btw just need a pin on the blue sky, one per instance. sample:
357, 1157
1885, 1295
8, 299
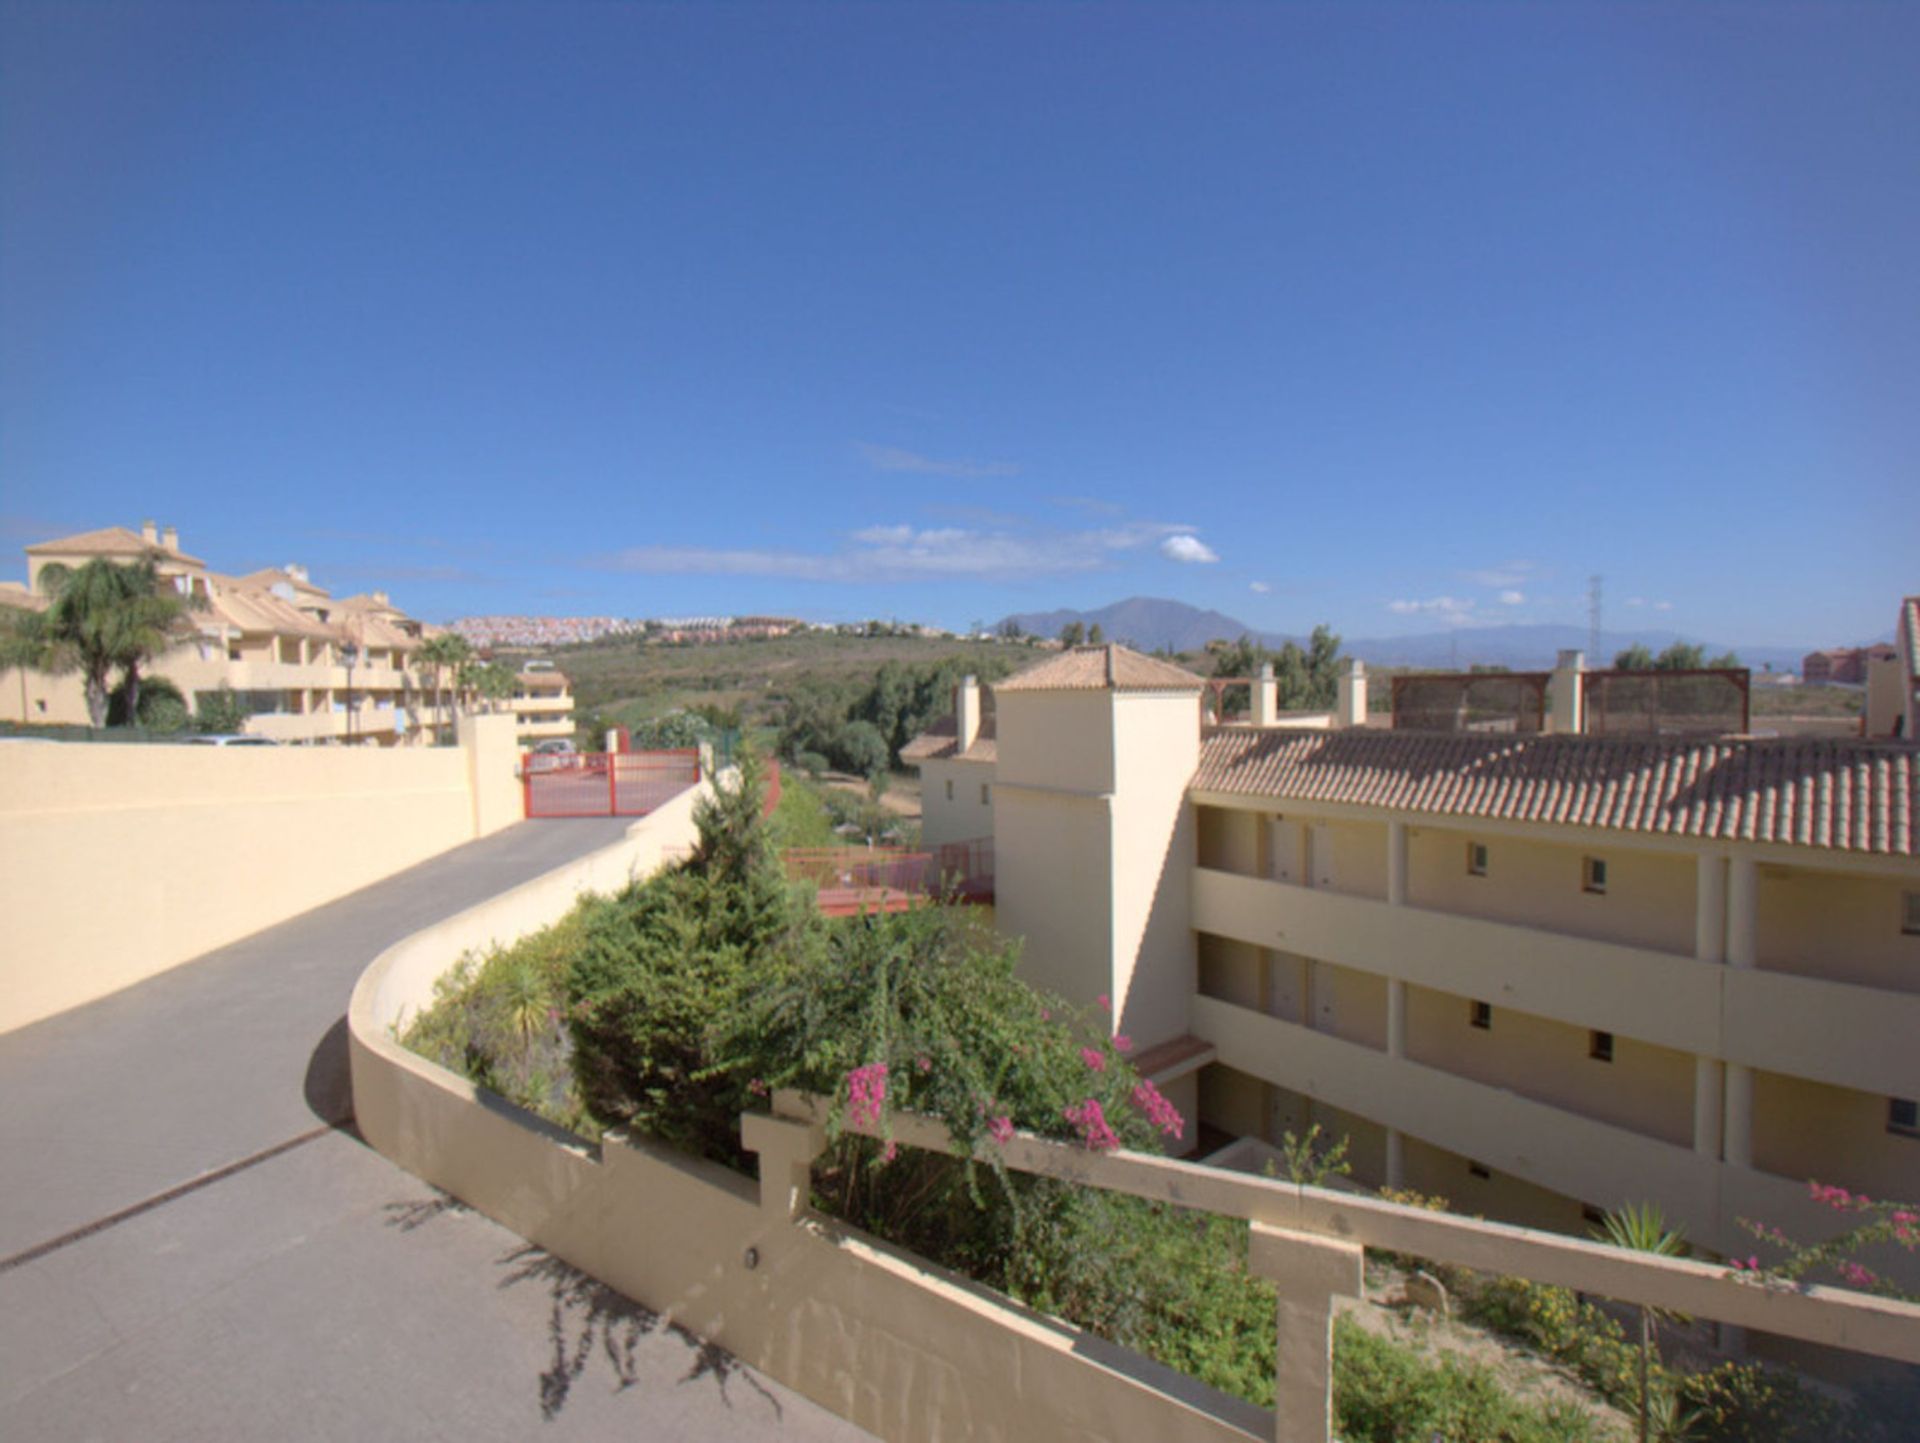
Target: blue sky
1398, 317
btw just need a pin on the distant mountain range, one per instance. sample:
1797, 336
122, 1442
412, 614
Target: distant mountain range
1153, 622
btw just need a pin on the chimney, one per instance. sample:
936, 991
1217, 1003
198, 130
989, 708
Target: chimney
1351, 708
1265, 711
1566, 718
381, 597
966, 713
296, 571
170, 538
150, 533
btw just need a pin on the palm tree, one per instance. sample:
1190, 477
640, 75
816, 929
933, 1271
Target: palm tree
1643, 1229
28, 644
113, 617
444, 653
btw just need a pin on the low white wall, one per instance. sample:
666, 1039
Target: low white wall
900, 1348
118, 862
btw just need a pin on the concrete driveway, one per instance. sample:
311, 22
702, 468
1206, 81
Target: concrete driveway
194, 1244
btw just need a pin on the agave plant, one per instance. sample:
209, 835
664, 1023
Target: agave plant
1643, 1228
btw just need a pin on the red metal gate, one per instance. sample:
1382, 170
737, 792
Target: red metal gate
605, 784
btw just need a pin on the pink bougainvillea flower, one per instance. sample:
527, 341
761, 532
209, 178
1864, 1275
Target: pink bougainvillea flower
1122, 1042
1000, 1129
1090, 1120
890, 1152
924, 1063
757, 1088
1094, 1058
1103, 1002
1161, 1113
866, 1093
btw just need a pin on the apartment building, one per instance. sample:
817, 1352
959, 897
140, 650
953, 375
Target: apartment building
308, 667
542, 703
1537, 974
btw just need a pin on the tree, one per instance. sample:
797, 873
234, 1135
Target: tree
1643, 1229
28, 644
160, 707
114, 617
445, 653
220, 712
1634, 658
1072, 634
1096, 637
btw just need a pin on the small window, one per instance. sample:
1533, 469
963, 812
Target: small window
1479, 1170
1481, 1016
1600, 1046
1593, 875
1476, 859
1903, 1116
1910, 914
983, 794
949, 788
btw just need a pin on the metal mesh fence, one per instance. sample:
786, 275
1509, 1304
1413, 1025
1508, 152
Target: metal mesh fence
1513, 701
1666, 703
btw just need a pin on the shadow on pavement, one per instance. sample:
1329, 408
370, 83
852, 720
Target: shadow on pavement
588, 1317
329, 1083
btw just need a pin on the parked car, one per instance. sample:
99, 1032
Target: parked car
230, 739
555, 754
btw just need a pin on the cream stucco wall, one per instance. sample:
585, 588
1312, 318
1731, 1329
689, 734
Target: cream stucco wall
1836, 1134
1646, 1088
965, 817
118, 862
1838, 925
1157, 747
1649, 901
1052, 879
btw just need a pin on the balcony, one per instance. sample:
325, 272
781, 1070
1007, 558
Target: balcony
1742, 1015
1595, 1162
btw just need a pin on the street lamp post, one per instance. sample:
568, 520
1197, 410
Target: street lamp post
350, 654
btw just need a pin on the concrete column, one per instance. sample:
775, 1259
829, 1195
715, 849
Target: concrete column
1397, 863
1566, 718
1743, 897
1709, 945
1396, 1158
1265, 708
1743, 890
1396, 1018
1350, 710
1308, 1272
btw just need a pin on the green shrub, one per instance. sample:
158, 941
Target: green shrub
1384, 1392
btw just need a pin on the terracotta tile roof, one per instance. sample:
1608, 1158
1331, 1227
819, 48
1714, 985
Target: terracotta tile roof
278, 576
373, 629
109, 541
1839, 793
13, 594
1101, 668
256, 612
937, 743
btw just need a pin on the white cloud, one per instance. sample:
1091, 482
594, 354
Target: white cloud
1513, 598
1636, 601
1259, 586
1507, 574
1663, 606
899, 553
1189, 549
1449, 610
896, 458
